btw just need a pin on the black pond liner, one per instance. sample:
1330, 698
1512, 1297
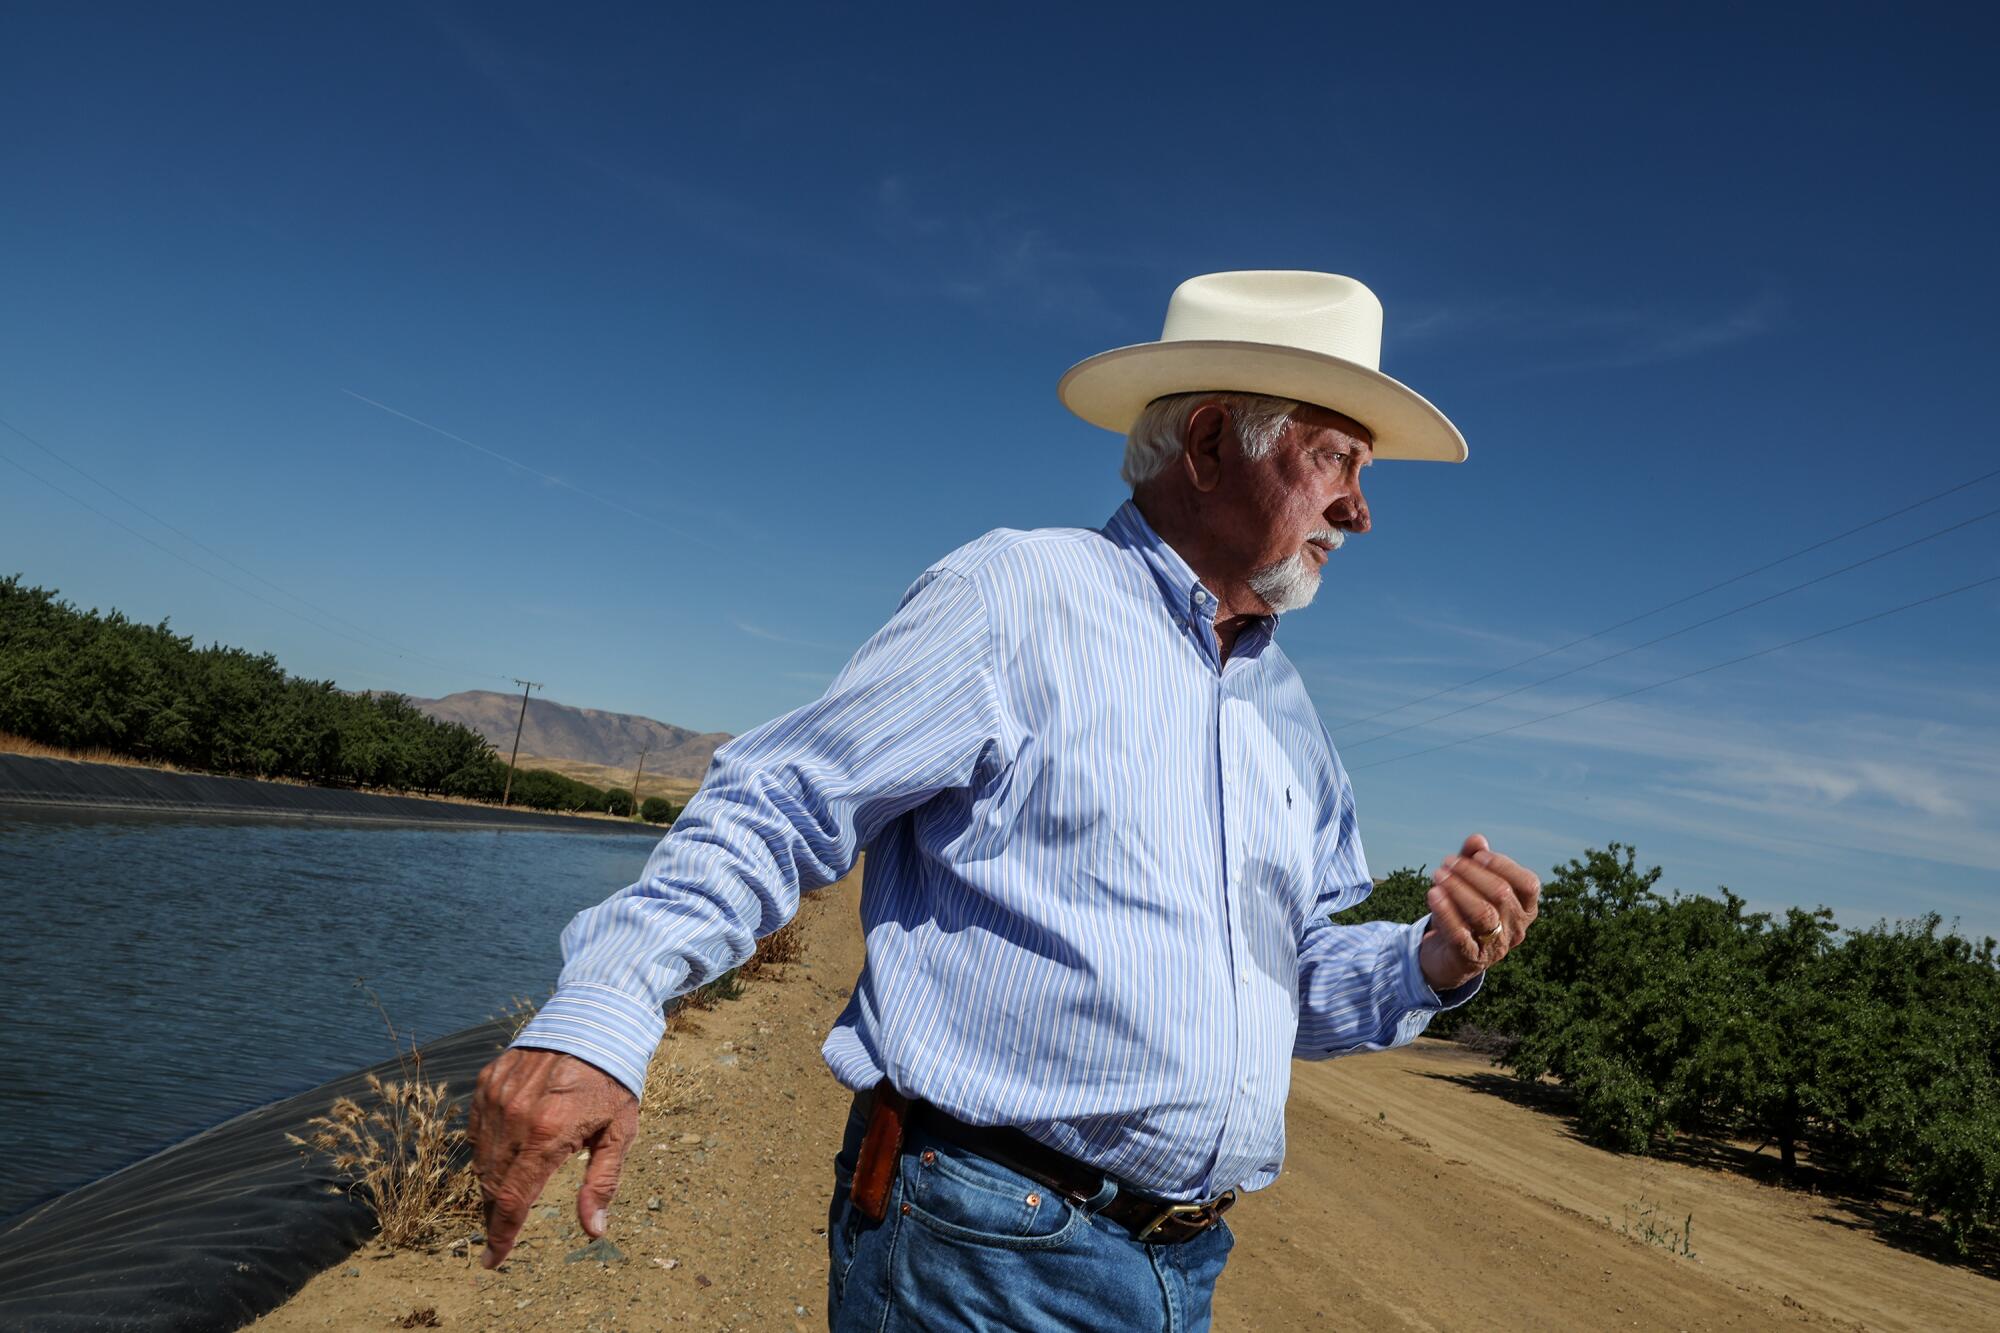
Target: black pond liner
69, 783
213, 1232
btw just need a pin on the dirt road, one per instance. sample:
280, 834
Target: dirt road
1414, 1197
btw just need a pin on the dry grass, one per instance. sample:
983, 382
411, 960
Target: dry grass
519, 1011
404, 1153
12, 744
787, 944
677, 790
672, 1086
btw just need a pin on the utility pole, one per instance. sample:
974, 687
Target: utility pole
525, 685
635, 778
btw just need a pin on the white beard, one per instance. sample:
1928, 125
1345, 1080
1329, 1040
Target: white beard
1289, 585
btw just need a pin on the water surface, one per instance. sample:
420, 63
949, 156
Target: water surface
159, 973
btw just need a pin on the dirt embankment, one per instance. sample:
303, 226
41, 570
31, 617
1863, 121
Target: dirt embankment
1415, 1196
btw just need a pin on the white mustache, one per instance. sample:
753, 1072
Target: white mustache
1333, 537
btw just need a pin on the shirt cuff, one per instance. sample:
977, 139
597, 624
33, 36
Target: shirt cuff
605, 1027
1417, 992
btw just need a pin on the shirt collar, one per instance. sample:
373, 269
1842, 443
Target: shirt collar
1184, 594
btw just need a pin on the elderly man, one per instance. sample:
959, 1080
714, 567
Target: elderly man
1106, 831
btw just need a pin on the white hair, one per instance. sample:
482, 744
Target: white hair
1289, 585
1156, 438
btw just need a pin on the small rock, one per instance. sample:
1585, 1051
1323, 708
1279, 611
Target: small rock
701, 1280
548, 1213
653, 1204
352, 1271
600, 1251
688, 1140
669, 1264
726, 1061
726, 1046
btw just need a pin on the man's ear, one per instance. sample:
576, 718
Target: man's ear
1208, 431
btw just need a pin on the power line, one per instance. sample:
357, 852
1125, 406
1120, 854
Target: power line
548, 477
1721, 615
1678, 601
380, 643
1698, 671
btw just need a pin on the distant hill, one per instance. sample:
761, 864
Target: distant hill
558, 731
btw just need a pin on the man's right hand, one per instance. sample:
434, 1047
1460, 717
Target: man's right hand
532, 1112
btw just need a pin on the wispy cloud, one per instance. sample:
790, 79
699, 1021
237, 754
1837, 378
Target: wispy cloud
1553, 338
772, 636
546, 478
988, 255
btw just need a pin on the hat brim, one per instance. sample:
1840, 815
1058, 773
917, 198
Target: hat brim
1112, 388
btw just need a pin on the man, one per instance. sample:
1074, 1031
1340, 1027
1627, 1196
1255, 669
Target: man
1106, 831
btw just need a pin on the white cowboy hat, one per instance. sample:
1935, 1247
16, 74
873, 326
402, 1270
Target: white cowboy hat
1312, 337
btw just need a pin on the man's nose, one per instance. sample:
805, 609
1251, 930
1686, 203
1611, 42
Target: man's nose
1349, 513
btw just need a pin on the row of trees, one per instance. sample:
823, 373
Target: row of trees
1876, 1050
84, 681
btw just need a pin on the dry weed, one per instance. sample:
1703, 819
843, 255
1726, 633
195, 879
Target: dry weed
728, 986
674, 1087
786, 944
518, 1012
403, 1153
13, 744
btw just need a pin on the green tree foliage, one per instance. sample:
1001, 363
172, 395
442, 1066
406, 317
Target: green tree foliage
618, 801
1688, 1015
541, 789
658, 810
85, 681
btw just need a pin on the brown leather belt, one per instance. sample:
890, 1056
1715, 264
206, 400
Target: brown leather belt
890, 1115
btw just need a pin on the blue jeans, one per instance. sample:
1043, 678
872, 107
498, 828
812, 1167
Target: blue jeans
968, 1244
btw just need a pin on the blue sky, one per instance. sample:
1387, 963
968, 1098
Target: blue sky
651, 353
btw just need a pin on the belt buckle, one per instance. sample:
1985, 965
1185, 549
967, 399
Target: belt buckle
1208, 1213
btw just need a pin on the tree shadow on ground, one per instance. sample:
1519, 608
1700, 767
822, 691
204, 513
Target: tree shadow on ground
1883, 1213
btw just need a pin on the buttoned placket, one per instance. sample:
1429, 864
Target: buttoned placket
1228, 758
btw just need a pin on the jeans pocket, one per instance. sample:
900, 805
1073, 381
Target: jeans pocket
843, 1219
966, 1198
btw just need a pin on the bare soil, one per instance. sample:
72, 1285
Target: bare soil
677, 790
1421, 1191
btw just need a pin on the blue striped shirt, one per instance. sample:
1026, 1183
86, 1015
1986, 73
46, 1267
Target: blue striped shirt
1100, 866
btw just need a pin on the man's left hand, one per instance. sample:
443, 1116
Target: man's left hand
1482, 904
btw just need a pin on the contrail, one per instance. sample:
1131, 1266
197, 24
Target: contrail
536, 472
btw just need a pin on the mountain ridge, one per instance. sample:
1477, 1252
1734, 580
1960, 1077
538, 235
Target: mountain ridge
590, 735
